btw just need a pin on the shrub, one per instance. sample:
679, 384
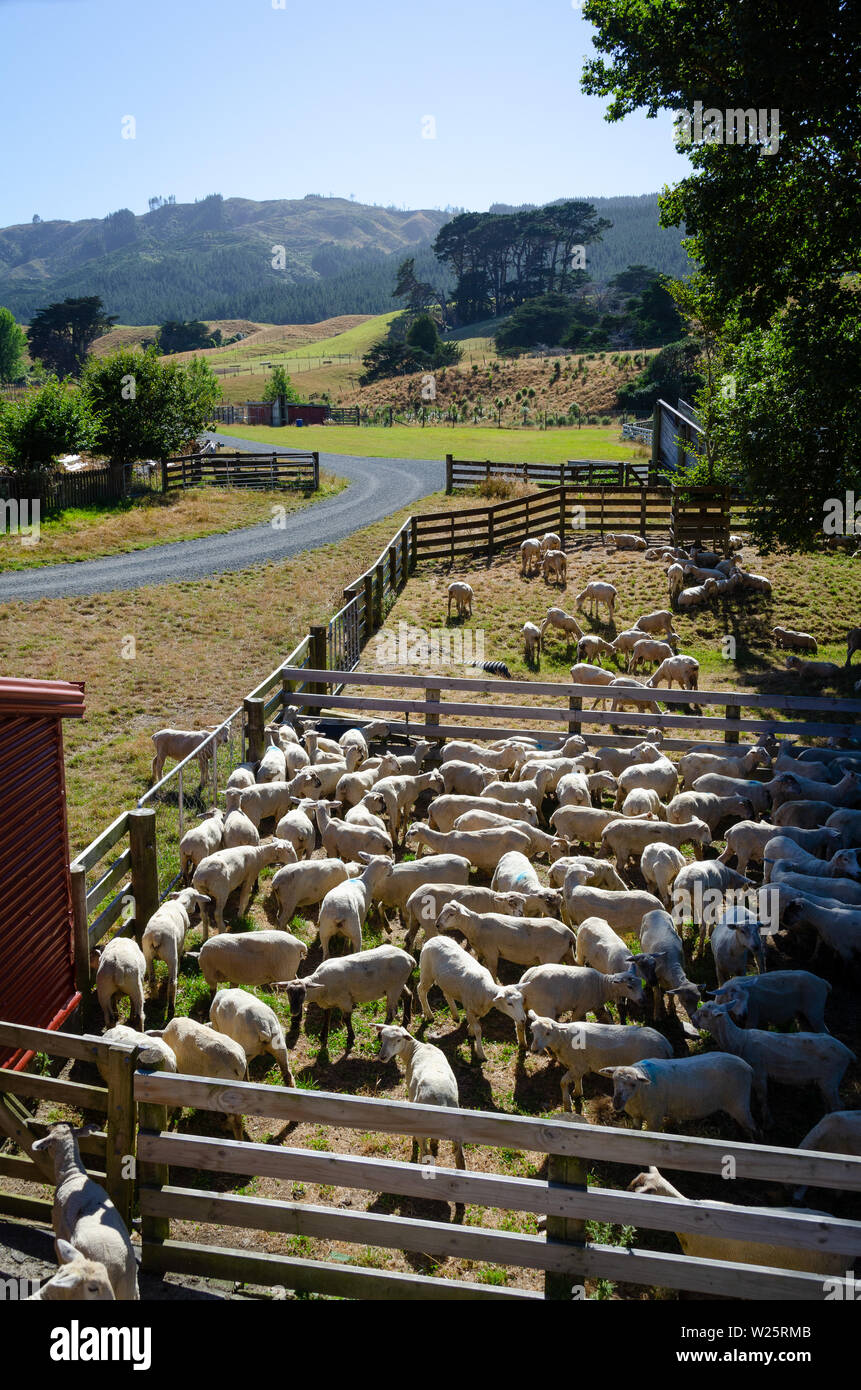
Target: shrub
55, 420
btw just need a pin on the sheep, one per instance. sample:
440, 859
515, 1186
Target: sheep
466, 778
746, 841
354, 738
588, 1047
787, 637
791, 1058
515, 793
853, 643
816, 672
345, 907
252, 958
274, 799
701, 573
787, 787
782, 847
659, 621
396, 796
803, 815
353, 786
622, 911
305, 884
701, 1246
153, 1054
597, 592
403, 879
120, 969
522, 940
564, 622
459, 750
273, 765
844, 892
461, 595
697, 764
240, 829
320, 781
662, 963
426, 902
684, 1089
553, 990
641, 802
572, 789
592, 648
181, 743
360, 815
217, 876
84, 1217
626, 838
756, 582
584, 674
683, 671
647, 652
445, 810
554, 566
515, 874
299, 828
483, 848
735, 941
699, 593
659, 776
754, 792
241, 777
430, 1081
837, 1133
201, 840
252, 1024
675, 582
584, 870
830, 772
602, 948
615, 760
619, 688
531, 634
202, 1051
530, 556
623, 541
539, 841
659, 864
347, 981
164, 937
625, 641
550, 541
708, 807
837, 928
78, 1279
346, 840
776, 1000
442, 962
698, 891
848, 826
581, 824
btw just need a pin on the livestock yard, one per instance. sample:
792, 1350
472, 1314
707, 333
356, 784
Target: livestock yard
569, 894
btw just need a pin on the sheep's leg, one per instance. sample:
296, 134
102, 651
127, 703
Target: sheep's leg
408, 1001
565, 1087
491, 960
245, 894
521, 1033
416, 1151
423, 987
324, 1031
156, 768
452, 1008
351, 1037
459, 1160
474, 1025
830, 1094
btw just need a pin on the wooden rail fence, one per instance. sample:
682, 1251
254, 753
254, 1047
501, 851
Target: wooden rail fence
469, 472
135, 1103
56, 490
299, 470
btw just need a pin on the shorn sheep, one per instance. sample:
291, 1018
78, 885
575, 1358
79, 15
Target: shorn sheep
461, 595
596, 594
430, 1081
555, 566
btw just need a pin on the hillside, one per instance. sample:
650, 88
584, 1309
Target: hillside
213, 259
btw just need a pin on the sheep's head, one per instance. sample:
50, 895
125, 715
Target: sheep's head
450, 917
542, 1030
296, 992
653, 1183
393, 1040
509, 1001
77, 1279
627, 1081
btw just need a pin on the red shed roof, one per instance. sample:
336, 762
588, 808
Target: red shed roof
62, 698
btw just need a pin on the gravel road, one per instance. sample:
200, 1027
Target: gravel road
378, 487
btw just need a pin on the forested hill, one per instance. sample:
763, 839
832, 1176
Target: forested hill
214, 259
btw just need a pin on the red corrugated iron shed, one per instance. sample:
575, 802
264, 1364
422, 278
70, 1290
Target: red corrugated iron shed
37, 968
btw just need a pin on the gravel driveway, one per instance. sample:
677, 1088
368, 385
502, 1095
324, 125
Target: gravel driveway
378, 487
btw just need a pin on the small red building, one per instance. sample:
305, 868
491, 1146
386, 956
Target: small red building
308, 414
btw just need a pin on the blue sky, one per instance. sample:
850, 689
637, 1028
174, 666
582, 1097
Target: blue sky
245, 99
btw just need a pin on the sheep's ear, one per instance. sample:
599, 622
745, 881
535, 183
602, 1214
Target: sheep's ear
155, 1032
532, 1014
66, 1253
365, 856
607, 1071
379, 1026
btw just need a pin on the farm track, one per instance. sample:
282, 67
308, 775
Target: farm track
378, 487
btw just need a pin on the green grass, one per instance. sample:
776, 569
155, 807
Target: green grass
463, 441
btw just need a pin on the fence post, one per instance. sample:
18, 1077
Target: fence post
449, 474
80, 933
601, 518
152, 1119
316, 458
414, 542
164, 475
144, 865
368, 581
120, 1128
564, 1172
642, 511
562, 502
378, 596
254, 734
393, 567
432, 719
319, 661
575, 706
733, 713
405, 550
489, 534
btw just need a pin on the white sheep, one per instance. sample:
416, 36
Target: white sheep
466, 778
697, 594
563, 622
252, 1024
584, 674
776, 1000
530, 556
659, 621
787, 637
735, 942
593, 648
305, 884
581, 824
201, 840
430, 1081
442, 962
697, 764
837, 1133
461, 595
252, 958
589, 1047
403, 879
180, 743
554, 566
240, 829
675, 582
659, 864
522, 940
347, 981
346, 840
754, 792
85, 1217
426, 902
120, 969
708, 807
445, 810
519, 793
662, 964
623, 911
553, 990
647, 652
619, 688
837, 928
396, 796
483, 848
642, 801
746, 841
626, 838
698, 892
164, 937
683, 671
345, 907
597, 593
550, 541
78, 1279
624, 541
153, 1054
461, 750
539, 841
531, 634
220, 874
201, 1051
353, 786
684, 1089
515, 874
273, 765
585, 869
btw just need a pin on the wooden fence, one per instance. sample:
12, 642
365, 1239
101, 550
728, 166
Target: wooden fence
56, 491
469, 472
135, 1106
701, 514
299, 470
445, 696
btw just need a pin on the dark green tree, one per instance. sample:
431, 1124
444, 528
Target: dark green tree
279, 384
55, 420
145, 408
13, 342
62, 334
183, 337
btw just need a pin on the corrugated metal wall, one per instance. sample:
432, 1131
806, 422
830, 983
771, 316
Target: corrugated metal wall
36, 948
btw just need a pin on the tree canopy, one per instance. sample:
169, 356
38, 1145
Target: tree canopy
13, 342
62, 334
